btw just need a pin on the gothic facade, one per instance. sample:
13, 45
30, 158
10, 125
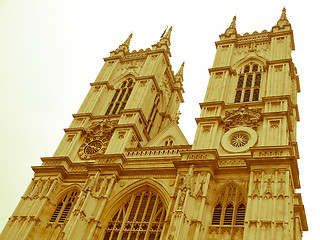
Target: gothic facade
124, 169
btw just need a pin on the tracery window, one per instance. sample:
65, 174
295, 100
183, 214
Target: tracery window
249, 81
64, 207
230, 208
140, 218
120, 97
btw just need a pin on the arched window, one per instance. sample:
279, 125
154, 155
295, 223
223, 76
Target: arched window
230, 208
64, 207
168, 142
142, 217
248, 86
120, 97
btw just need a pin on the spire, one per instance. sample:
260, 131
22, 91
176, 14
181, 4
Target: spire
232, 28
164, 41
164, 32
168, 34
233, 23
124, 47
180, 72
284, 14
127, 42
283, 19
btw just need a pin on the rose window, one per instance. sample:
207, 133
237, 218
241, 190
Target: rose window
239, 139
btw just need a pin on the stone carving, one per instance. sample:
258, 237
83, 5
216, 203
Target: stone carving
268, 188
40, 188
97, 138
101, 128
243, 116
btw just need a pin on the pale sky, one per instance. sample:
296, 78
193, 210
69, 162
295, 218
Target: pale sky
51, 50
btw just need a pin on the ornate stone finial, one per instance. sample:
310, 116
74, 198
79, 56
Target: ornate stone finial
177, 117
180, 72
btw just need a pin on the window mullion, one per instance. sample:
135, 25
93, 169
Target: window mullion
151, 219
65, 202
125, 217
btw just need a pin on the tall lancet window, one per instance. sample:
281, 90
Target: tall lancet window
120, 97
140, 218
230, 208
248, 86
64, 207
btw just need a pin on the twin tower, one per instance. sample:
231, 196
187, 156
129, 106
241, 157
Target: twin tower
125, 171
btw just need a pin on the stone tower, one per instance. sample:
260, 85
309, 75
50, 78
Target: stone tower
124, 169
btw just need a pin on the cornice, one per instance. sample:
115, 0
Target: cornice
136, 110
92, 117
102, 83
227, 41
212, 104
72, 130
132, 126
199, 165
148, 77
159, 148
208, 119
220, 69
148, 171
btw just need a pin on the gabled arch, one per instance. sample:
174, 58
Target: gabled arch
136, 187
250, 58
72, 187
116, 82
137, 212
222, 188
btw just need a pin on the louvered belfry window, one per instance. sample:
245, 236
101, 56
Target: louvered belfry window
140, 218
248, 86
120, 97
230, 208
64, 207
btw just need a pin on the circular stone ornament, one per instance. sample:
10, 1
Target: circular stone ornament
239, 139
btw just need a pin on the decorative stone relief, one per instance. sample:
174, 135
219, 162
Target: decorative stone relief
243, 116
97, 138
